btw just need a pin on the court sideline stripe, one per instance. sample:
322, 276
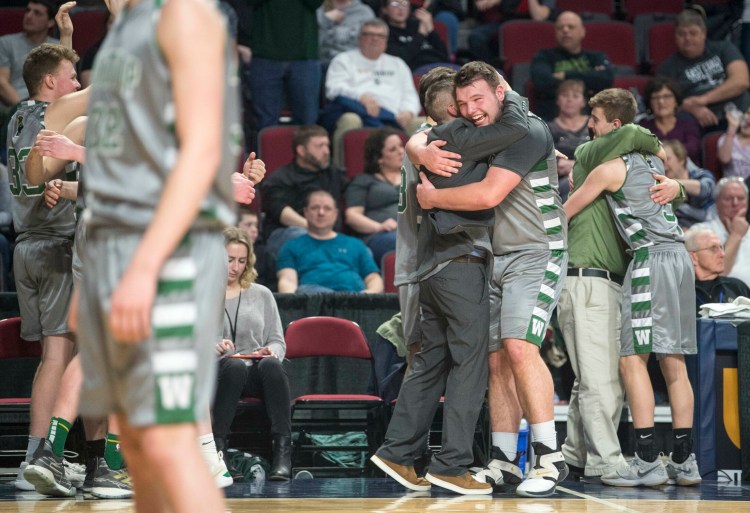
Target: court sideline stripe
607, 503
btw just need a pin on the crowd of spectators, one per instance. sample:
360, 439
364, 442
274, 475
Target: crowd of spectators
364, 57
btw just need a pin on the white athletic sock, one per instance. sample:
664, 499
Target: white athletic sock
545, 433
506, 442
34, 443
208, 447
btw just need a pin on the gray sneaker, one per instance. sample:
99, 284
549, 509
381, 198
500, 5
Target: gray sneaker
685, 473
20, 483
75, 472
110, 484
637, 472
47, 473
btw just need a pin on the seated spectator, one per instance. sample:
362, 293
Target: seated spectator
252, 328
707, 254
731, 226
323, 260
569, 129
367, 87
265, 263
484, 38
699, 184
372, 198
38, 20
412, 37
285, 191
734, 145
568, 61
663, 98
339, 22
14, 48
710, 73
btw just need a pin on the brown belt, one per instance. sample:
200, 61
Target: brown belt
469, 259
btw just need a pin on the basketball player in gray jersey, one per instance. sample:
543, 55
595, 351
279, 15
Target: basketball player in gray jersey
42, 256
150, 309
657, 313
529, 244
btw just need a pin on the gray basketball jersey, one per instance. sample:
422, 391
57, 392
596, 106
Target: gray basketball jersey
131, 139
531, 216
641, 221
31, 217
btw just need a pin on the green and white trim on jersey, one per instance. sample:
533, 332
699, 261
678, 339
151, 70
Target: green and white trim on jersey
640, 302
175, 363
546, 200
546, 298
548, 204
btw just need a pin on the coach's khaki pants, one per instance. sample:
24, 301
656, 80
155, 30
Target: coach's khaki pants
589, 316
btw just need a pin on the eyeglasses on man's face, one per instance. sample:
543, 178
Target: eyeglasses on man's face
716, 248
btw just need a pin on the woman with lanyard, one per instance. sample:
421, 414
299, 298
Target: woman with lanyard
252, 353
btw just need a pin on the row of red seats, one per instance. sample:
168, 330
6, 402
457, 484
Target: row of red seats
275, 142
88, 25
305, 338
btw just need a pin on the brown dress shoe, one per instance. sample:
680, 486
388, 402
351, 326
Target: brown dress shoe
463, 484
403, 474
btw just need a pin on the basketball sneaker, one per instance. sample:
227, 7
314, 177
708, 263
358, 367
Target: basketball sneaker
220, 472
637, 472
47, 473
503, 474
685, 473
106, 483
548, 470
20, 483
75, 472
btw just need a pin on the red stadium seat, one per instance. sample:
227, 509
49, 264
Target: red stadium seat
18, 359
275, 146
90, 26
634, 8
388, 271
661, 44
333, 413
11, 20
642, 25
709, 146
586, 7
521, 39
442, 31
617, 40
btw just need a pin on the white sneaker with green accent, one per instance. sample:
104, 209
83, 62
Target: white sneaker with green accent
220, 472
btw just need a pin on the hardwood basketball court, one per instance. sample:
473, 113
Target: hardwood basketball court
363, 495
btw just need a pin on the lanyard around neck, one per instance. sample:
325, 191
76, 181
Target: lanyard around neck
233, 327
